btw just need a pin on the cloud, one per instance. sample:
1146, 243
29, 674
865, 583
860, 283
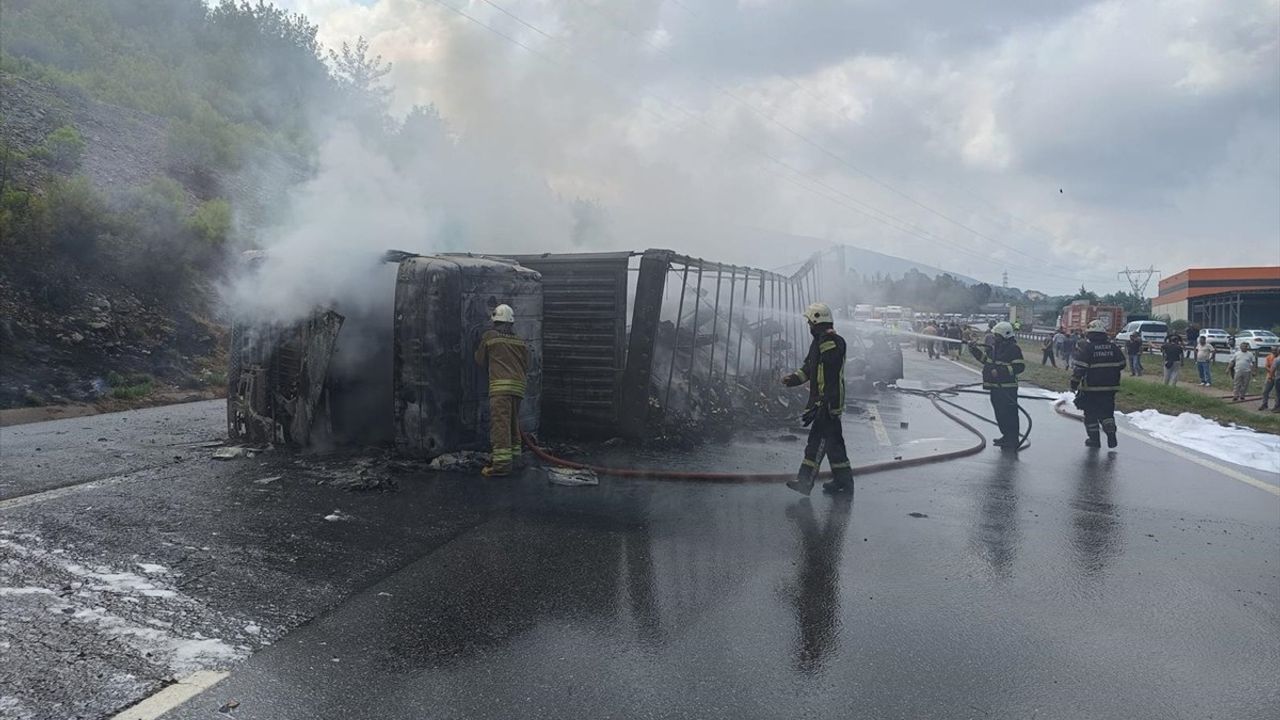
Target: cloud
935, 130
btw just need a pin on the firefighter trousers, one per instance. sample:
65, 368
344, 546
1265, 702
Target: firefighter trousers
826, 436
504, 431
1004, 404
1099, 410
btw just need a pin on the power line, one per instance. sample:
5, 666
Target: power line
1139, 279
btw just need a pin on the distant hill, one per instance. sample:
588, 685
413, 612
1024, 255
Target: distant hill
866, 263
869, 263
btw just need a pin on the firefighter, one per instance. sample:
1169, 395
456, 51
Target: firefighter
507, 360
824, 371
1001, 365
1095, 379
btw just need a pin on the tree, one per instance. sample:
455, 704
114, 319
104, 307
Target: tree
360, 75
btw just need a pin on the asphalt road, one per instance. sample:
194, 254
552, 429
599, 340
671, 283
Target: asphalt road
1058, 582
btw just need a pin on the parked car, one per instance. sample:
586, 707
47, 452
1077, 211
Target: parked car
1259, 340
1216, 337
1151, 332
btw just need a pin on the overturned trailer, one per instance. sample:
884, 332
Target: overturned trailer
622, 343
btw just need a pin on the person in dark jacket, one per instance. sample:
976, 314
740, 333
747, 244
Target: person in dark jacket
824, 371
1095, 379
1172, 352
1002, 363
1134, 349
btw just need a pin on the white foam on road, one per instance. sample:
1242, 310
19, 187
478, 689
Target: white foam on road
1234, 444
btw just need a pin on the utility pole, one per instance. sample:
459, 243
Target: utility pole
1139, 279
1005, 279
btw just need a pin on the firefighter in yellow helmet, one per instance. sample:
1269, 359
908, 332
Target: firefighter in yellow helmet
824, 371
507, 359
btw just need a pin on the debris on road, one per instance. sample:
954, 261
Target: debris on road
336, 516
232, 452
463, 461
571, 477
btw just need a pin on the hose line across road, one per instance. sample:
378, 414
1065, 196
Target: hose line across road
738, 477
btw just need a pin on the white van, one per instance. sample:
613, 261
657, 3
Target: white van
1150, 331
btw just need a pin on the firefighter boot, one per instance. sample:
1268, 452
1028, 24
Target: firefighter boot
1109, 427
803, 483
841, 482
1094, 439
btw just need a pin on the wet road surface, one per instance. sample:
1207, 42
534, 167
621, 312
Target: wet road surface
1053, 583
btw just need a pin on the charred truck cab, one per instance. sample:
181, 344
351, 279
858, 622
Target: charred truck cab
442, 306
399, 371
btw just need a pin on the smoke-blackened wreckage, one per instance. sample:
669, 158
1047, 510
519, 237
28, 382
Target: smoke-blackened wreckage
638, 347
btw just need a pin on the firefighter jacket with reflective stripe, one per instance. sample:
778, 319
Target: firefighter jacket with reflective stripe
1097, 365
507, 359
824, 371
1001, 365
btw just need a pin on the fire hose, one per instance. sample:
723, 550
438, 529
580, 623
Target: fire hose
934, 396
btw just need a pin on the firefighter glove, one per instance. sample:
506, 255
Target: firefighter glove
1078, 401
791, 380
810, 415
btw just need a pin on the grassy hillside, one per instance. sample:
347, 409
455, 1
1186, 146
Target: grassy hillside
141, 143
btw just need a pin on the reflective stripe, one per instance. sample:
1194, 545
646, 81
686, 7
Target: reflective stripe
502, 387
1102, 388
517, 342
840, 466
803, 378
828, 345
1117, 364
501, 454
990, 385
809, 463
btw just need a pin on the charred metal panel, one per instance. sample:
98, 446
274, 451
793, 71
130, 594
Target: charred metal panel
276, 379
645, 318
584, 331
442, 307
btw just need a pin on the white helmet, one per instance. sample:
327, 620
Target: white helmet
1096, 326
504, 313
818, 313
1003, 329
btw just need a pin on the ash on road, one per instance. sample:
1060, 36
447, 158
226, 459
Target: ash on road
1052, 583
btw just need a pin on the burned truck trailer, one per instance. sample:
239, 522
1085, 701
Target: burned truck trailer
401, 372
622, 344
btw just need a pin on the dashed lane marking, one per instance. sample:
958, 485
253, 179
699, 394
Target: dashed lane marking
882, 435
172, 696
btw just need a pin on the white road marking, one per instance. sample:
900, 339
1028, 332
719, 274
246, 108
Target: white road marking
18, 502
962, 366
173, 696
882, 435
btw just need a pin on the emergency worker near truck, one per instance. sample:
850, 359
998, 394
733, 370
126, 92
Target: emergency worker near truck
507, 360
1002, 363
1095, 379
823, 370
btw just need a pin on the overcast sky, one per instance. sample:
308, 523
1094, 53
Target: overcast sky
1060, 141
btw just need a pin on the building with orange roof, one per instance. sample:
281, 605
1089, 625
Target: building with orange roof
1234, 297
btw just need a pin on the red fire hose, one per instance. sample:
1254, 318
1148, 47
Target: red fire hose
656, 474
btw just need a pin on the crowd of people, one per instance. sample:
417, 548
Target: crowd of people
1242, 367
